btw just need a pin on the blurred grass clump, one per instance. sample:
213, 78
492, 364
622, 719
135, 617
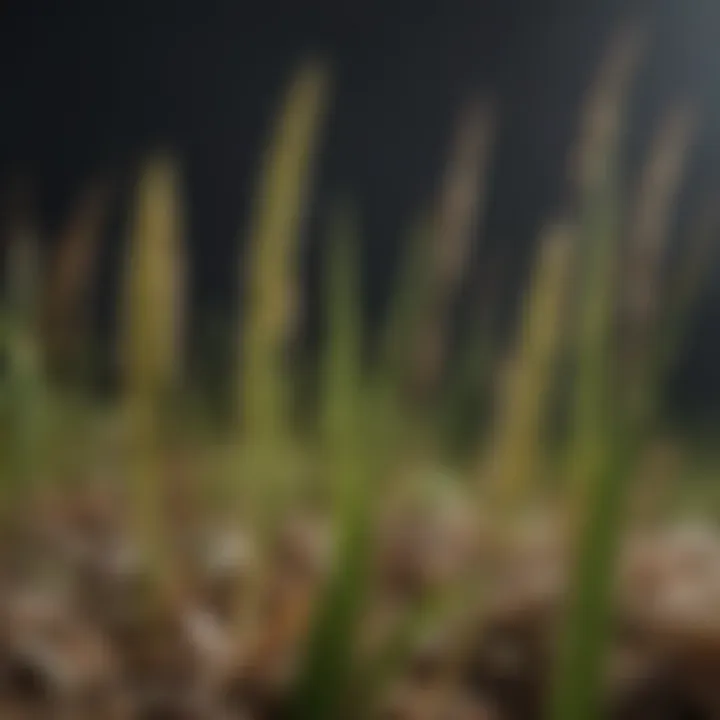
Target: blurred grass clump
354, 558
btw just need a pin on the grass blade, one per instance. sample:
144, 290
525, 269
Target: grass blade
518, 441
460, 208
435, 256
602, 443
272, 258
326, 672
655, 205
272, 255
341, 366
151, 343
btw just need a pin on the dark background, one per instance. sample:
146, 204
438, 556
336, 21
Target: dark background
88, 88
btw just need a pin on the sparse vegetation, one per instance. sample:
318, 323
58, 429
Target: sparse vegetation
360, 569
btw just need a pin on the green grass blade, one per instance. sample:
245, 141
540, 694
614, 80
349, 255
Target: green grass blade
325, 674
600, 228
577, 692
518, 440
272, 255
602, 443
153, 299
271, 302
326, 671
150, 350
341, 369
270, 267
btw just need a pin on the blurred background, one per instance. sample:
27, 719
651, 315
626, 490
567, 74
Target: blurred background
88, 88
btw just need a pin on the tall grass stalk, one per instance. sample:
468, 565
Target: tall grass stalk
264, 462
648, 238
341, 371
602, 442
151, 329
518, 441
600, 228
434, 260
459, 214
271, 269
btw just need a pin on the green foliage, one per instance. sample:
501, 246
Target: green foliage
369, 423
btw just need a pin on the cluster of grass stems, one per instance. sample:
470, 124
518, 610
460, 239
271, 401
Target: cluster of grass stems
598, 302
